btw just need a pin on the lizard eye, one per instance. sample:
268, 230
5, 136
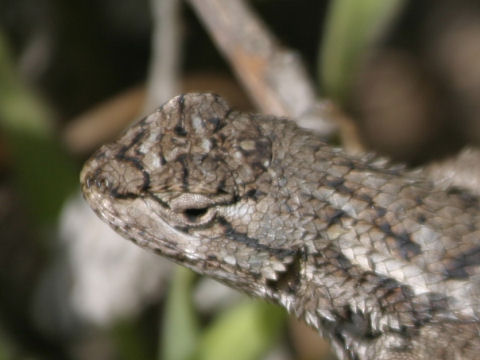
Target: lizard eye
198, 216
194, 214
194, 209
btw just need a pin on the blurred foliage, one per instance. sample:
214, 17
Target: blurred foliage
244, 332
6, 352
44, 174
180, 325
129, 340
350, 28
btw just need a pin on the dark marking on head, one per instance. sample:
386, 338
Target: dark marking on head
180, 131
421, 218
183, 229
162, 159
182, 159
221, 137
216, 123
136, 139
228, 113
138, 165
214, 143
159, 137
181, 103
254, 194
146, 181
221, 187
99, 155
263, 145
157, 199
122, 195
258, 167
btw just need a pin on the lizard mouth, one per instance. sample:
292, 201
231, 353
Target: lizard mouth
141, 219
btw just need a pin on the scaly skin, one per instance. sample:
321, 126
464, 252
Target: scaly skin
380, 260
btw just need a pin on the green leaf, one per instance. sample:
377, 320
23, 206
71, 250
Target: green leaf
43, 172
180, 327
6, 351
351, 28
244, 332
129, 342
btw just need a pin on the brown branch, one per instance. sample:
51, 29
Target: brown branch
274, 76
164, 73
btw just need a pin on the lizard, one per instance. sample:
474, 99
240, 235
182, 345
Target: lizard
379, 259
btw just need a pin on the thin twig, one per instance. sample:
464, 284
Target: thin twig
163, 78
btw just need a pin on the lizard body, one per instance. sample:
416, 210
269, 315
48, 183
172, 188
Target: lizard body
379, 259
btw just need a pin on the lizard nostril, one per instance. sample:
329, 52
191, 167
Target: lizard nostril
102, 183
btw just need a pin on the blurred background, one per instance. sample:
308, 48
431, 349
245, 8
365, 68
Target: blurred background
402, 78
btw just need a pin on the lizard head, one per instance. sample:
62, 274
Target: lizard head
185, 182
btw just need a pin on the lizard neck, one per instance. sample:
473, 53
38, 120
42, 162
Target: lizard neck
323, 205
